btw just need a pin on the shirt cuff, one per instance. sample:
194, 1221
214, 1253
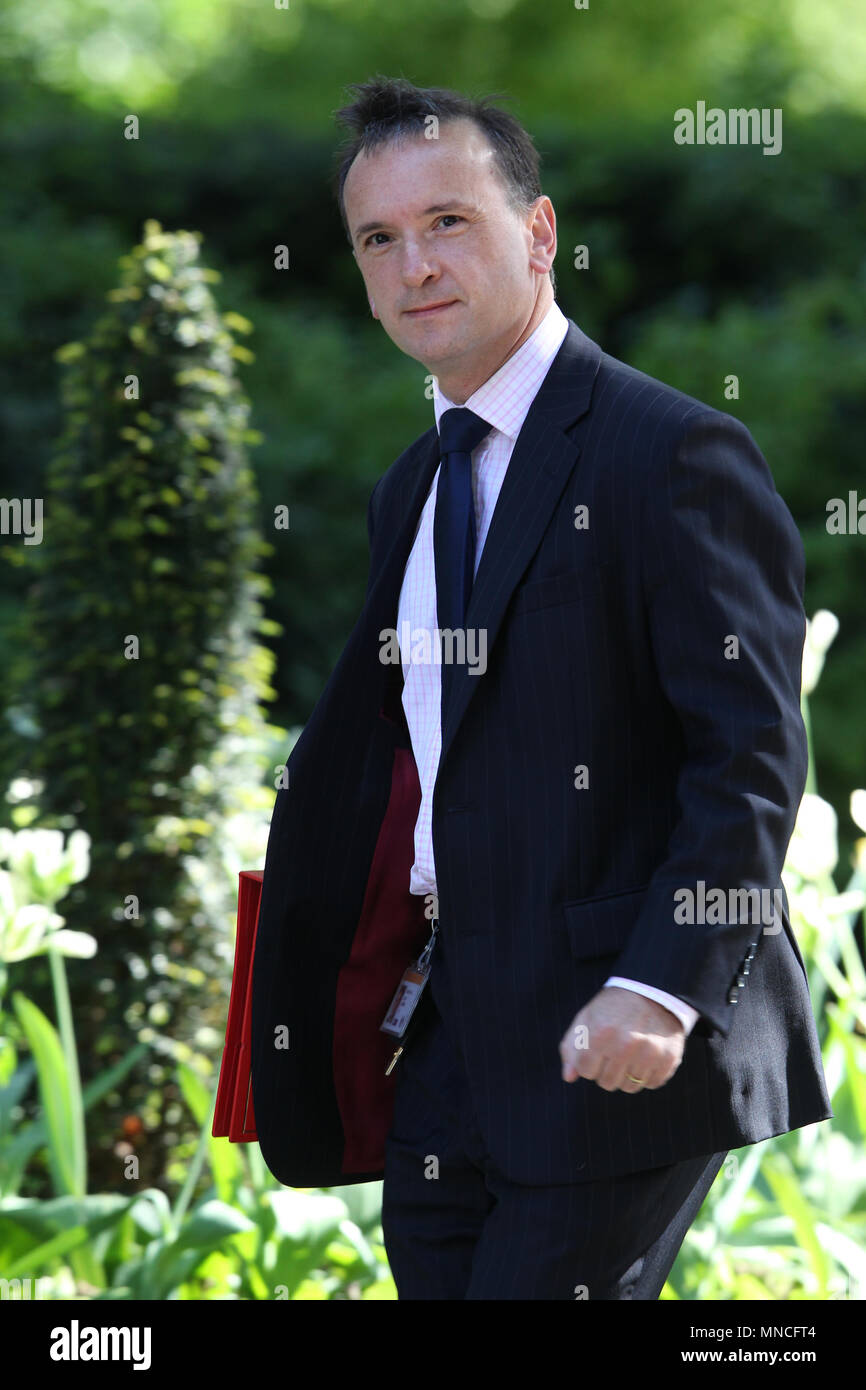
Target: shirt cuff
683, 1011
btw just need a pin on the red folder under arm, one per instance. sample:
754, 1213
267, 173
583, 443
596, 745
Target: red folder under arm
233, 1117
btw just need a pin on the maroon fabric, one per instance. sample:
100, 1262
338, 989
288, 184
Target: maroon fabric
391, 931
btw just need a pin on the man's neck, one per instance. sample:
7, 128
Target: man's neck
463, 385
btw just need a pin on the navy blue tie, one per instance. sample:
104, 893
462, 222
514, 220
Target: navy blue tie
460, 431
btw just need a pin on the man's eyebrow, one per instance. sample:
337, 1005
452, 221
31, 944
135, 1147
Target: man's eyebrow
427, 212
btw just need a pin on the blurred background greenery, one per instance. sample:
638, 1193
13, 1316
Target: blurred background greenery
703, 262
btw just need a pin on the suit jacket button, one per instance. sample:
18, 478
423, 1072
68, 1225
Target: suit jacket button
733, 996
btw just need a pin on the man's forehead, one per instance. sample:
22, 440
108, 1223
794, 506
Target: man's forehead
460, 158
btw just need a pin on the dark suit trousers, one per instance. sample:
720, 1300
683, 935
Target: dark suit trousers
469, 1233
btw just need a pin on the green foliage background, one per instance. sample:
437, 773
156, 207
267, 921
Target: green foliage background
704, 262
140, 632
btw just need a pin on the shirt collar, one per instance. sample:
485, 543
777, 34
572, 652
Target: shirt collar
504, 398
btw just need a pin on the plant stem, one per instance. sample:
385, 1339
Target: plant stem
185, 1194
70, 1054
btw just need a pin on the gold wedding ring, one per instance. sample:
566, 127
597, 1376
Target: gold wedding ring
636, 1079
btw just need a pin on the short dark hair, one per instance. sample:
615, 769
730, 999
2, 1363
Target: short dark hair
389, 109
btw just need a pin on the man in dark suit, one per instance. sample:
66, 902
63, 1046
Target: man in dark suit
608, 770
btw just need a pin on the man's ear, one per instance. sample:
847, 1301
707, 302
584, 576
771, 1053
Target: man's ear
542, 229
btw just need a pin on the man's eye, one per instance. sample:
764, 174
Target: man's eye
450, 216
370, 238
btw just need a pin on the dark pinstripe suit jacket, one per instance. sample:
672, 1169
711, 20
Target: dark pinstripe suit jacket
609, 647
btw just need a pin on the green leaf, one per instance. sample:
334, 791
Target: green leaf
56, 1093
307, 1217
29, 1138
151, 1211
44, 1254
168, 1262
782, 1179
194, 1091
363, 1202
15, 1088
96, 1211
210, 1223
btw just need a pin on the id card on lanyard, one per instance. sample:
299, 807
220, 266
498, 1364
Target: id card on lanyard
407, 995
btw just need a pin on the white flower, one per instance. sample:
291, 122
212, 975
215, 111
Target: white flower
820, 633
35, 929
21, 789
814, 851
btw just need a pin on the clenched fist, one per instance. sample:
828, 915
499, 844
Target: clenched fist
625, 1042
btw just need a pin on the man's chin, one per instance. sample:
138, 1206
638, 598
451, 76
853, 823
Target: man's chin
428, 354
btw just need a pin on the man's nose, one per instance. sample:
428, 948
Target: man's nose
418, 265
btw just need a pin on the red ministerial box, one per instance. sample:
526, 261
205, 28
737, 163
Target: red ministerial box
234, 1118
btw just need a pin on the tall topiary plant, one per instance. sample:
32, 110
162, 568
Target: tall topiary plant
142, 661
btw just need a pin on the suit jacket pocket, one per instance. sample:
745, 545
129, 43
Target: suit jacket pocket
559, 588
598, 927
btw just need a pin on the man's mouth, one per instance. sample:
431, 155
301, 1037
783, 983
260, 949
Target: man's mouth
431, 308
